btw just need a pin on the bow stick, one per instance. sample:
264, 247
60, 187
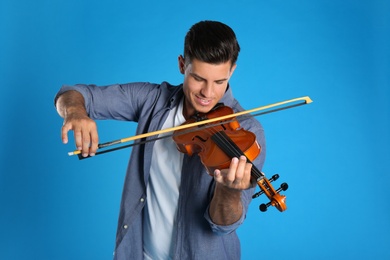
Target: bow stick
266, 109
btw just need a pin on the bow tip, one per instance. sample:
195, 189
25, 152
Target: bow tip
308, 100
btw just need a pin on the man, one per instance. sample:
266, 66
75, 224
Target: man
171, 208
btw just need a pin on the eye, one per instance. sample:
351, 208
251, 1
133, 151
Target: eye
197, 78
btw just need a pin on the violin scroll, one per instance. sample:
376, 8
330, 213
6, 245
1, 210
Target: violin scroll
276, 199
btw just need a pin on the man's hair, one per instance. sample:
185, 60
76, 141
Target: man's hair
211, 42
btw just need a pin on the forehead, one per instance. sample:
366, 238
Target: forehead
210, 71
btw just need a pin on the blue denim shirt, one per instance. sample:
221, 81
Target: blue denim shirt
149, 104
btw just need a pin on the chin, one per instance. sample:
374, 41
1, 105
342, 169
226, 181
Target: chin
204, 109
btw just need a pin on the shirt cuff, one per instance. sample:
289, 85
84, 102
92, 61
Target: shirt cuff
221, 229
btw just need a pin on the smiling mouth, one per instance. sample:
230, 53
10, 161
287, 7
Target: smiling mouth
203, 101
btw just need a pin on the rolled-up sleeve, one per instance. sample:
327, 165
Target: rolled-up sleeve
227, 229
118, 101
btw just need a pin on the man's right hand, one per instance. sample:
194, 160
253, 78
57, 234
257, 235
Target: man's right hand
85, 133
70, 106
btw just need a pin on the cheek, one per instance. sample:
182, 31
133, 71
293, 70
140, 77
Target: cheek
187, 89
191, 85
220, 90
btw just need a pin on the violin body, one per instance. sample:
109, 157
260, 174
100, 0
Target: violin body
199, 141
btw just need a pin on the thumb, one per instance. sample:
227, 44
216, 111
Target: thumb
217, 176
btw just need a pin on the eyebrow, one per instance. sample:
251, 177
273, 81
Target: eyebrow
197, 76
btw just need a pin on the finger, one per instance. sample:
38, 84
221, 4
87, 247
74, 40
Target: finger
86, 143
78, 138
94, 142
218, 176
244, 172
241, 169
64, 133
230, 175
248, 175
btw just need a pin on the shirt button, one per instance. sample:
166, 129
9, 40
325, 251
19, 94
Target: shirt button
125, 226
142, 199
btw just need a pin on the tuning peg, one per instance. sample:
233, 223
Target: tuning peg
257, 194
283, 187
274, 178
263, 207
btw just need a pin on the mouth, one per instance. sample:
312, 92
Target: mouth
203, 101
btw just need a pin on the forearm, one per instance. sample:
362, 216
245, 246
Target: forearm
226, 207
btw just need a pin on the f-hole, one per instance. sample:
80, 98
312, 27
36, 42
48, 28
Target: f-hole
200, 138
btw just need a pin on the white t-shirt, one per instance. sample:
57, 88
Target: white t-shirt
163, 193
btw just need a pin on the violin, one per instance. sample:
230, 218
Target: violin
216, 145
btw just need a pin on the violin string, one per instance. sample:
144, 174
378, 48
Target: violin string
227, 145
236, 151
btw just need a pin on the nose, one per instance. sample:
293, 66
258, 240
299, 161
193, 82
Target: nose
207, 89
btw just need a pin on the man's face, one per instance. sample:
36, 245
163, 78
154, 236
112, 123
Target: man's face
204, 84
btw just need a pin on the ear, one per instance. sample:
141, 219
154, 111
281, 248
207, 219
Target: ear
181, 64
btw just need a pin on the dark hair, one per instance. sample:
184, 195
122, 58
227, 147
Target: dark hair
212, 42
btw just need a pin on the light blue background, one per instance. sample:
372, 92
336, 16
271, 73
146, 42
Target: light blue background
334, 153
